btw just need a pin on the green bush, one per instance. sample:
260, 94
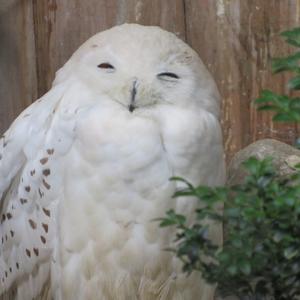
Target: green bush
261, 253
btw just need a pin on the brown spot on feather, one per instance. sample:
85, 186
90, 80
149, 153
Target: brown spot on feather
46, 172
44, 160
46, 211
32, 223
45, 226
50, 151
46, 184
23, 201
36, 251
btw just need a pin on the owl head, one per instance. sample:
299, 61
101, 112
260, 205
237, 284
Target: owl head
141, 67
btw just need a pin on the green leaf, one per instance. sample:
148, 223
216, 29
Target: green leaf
290, 252
175, 178
295, 32
232, 270
293, 42
295, 115
266, 96
251, 164
294, 83
268, 107
245, 267
224, 257
203, 191
236, 242
171, 219
278, 236
167, 222
290, 63
290, 200
184, 192
295, 104
283, 117
292, 36
232, 212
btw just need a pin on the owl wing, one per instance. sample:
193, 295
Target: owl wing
20, 142
30, 152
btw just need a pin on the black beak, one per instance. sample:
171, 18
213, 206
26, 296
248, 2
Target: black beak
132, 106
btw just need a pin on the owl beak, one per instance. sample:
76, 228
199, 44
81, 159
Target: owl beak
132, 106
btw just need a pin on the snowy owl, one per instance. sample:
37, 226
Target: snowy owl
85, 169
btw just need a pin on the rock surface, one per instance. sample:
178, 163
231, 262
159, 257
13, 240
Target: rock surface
285, 157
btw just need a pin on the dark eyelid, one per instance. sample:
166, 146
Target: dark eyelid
106, 66
168, 74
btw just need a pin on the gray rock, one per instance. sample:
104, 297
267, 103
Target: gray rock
285, 157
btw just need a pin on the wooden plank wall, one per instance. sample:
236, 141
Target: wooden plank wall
235, 38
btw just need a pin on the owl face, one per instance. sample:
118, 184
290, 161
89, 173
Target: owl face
141, 67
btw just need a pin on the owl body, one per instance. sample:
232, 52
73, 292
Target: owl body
97, 156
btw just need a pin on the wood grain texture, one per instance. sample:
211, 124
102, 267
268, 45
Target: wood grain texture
237, 39
17, 60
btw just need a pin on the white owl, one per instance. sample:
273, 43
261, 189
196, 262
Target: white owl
85, 170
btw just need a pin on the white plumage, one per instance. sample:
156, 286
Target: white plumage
85, 169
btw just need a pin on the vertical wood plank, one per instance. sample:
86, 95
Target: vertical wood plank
17, 60
237, 39
62, 26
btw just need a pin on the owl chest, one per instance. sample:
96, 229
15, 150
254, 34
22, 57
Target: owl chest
120, 153
120, 165
116, 183
117, 170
